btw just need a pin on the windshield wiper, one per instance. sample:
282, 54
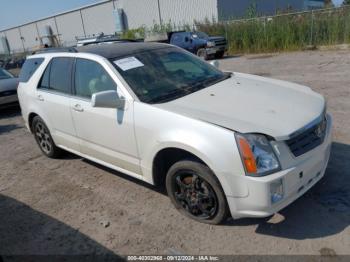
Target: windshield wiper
208, 82
190, 89
168, 96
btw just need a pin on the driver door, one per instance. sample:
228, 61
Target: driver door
106, 134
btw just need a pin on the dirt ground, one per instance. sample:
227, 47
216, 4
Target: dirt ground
73, 206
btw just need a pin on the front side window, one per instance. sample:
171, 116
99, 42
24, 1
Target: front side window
162, 75
90, 78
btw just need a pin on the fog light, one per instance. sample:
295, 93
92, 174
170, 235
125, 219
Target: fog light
276, 191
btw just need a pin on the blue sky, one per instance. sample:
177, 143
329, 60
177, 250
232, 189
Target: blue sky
337, 2
16, 12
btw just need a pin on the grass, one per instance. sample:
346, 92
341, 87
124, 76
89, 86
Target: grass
285, 32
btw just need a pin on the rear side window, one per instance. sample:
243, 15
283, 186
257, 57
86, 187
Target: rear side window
57, 75
60, 74
28, 69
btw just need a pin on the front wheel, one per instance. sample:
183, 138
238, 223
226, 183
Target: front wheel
219, 54
202, 53
196, 192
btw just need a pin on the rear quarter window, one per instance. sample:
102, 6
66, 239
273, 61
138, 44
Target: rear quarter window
28, 69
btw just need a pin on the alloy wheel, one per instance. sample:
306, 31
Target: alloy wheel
43, 137
195, 195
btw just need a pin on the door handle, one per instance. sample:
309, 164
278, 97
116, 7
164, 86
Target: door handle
40, 98
78, 108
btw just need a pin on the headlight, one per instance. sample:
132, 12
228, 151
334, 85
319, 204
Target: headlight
257, 154
210, 44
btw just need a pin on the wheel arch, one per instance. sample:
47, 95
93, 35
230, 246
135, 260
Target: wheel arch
176, 153
165, 158
30, 120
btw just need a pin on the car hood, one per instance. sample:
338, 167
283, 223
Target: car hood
8, 84
213, 38
252, 104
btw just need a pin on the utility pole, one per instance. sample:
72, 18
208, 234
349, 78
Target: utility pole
160, 15
37, 31
22, 38
82, 22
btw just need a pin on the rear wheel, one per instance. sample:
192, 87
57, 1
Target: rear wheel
196, 192
43, 138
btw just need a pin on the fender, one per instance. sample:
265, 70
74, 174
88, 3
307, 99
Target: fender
208, 142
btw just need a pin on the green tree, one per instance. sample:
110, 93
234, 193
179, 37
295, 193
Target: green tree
328, 3
252, 10
346, 2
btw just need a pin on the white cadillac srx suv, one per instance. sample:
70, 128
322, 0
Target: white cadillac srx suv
221, 143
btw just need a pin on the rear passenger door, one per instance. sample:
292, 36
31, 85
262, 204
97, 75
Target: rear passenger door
106, 134
53, 95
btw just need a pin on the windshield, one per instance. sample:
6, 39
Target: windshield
200, 35
4, 74
162, 75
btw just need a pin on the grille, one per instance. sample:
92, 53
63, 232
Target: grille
8, 93
220, 42
309, 139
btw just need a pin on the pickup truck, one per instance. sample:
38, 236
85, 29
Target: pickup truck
198, 43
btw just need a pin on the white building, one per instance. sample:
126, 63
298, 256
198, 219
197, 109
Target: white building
111, 16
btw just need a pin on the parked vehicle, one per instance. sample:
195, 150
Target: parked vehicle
102, 39
8, 88
222, 143
198, 43
13, 63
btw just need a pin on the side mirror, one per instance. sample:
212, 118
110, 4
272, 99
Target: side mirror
107, 99
187, 39
215, 63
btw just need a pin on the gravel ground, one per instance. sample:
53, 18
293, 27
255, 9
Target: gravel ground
73, 206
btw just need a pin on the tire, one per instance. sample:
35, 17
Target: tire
44, 139
196, 192
202, 54
219, 54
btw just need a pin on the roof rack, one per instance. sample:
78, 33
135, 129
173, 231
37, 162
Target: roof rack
56, 50
111, 40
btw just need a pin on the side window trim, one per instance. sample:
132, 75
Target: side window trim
73, 90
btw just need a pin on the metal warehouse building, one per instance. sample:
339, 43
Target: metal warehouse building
113, 16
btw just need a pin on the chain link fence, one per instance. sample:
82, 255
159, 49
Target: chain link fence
293, 31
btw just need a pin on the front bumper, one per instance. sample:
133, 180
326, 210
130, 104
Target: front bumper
216, 49
296, 181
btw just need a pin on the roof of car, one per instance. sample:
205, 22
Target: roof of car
113, 50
